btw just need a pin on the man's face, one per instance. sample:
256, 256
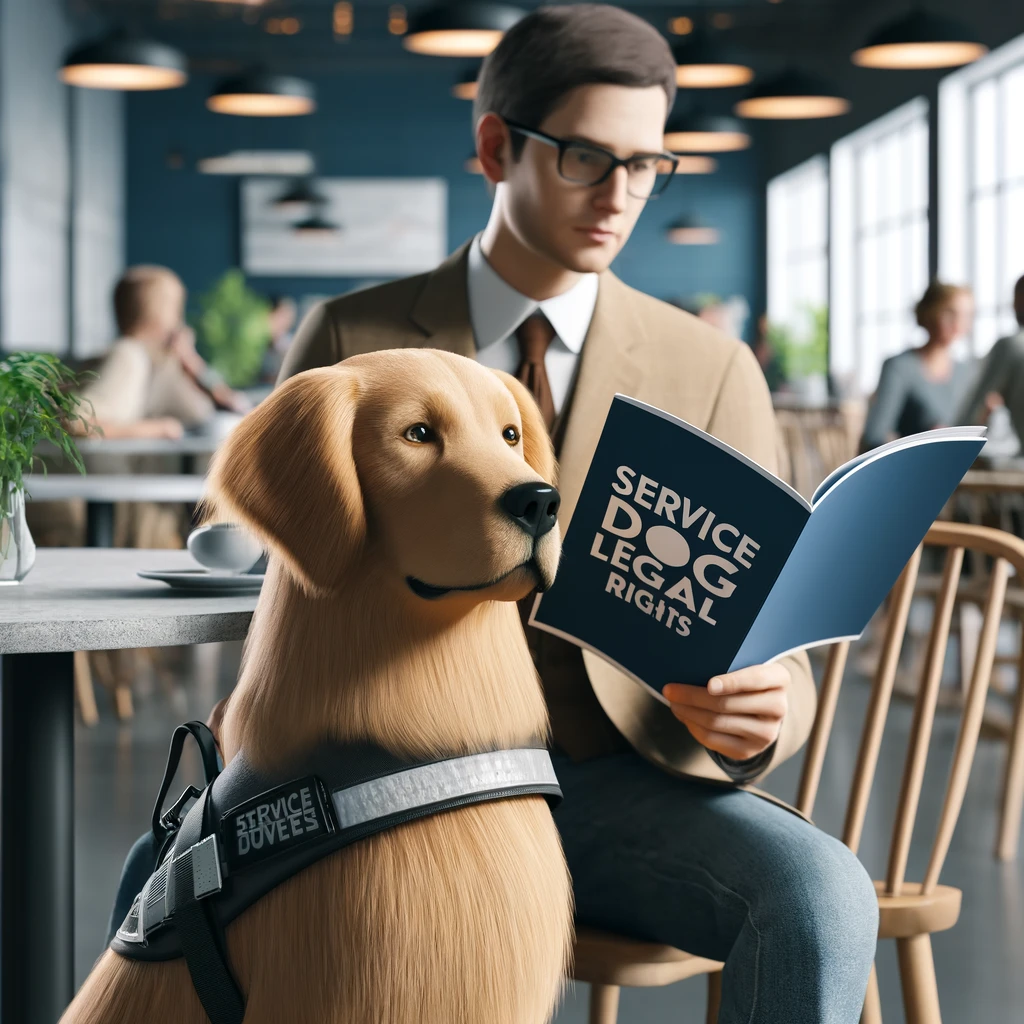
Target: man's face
583, 227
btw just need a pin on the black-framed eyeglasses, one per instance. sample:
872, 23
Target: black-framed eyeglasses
584, 163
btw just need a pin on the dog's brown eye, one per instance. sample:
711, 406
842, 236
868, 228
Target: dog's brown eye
420, 433
511, 436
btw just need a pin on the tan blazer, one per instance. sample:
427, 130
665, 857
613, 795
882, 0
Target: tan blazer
638, 346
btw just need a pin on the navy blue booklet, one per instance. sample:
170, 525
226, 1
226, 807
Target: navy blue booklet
685, 559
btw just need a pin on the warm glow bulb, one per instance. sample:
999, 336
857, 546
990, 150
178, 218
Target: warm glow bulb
919, 56
712, 76
464, 90
706, 142
466, 42
122, 77
260, 105
696, 165
781, 108
693, 236
473, 165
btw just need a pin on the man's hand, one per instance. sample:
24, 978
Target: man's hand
738, 714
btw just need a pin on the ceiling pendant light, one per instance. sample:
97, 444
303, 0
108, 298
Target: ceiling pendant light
792, 95
316, 225
690, 231
473, 165
465, 87
125, 63
298, 197
703, 63
262, 94
696, 165
698, 132
920, 40
460, 29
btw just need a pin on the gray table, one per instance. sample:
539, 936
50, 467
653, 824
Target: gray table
100, 491
74, 599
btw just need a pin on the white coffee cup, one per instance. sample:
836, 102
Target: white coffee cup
225, 546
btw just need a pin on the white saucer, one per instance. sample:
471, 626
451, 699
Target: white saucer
206, 580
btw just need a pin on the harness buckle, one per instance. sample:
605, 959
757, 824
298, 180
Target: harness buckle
171, 819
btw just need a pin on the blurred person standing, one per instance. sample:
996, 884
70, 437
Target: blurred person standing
283, 315
922, 388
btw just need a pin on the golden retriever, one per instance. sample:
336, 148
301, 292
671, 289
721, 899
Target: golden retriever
388, 615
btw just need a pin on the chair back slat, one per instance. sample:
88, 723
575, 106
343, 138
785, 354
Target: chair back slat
924, 716
878, 706
970, 725
810, 774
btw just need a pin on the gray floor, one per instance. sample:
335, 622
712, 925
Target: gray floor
979, 963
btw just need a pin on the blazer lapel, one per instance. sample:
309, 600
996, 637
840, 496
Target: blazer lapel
608, 364
441, 309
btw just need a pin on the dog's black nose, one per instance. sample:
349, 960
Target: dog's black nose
533, 506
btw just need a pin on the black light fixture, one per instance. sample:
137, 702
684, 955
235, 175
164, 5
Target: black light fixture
460, 29
688, 230
920, 40
700, 132
316, 225
465, 87
298, 197
263, 94
125, 63
793, 95
706, 63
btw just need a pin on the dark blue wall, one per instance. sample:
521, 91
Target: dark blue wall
403, 122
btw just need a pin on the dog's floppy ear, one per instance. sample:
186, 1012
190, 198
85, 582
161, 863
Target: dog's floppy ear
537, 447
287, 473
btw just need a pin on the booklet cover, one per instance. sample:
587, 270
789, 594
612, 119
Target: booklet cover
685, 559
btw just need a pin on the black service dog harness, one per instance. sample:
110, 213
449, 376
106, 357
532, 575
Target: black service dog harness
247, 833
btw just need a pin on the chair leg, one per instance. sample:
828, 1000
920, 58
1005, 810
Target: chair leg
1013, 781
872, 1012
714, 996
917, 979
84, 692
604, 1004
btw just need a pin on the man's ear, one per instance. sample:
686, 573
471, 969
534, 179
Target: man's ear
287, 472
537, 447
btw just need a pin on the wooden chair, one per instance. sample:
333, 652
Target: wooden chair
910, 912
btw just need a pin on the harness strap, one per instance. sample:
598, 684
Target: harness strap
194, 874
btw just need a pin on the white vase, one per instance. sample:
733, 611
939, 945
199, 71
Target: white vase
17, 549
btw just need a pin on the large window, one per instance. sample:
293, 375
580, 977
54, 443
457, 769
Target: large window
798, 244
981, 199
879, 267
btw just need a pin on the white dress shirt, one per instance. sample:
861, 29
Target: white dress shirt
496, 310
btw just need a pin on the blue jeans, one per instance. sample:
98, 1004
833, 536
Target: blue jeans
722, 874
716, 871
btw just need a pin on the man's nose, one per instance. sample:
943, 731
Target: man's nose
534, 506
612, 194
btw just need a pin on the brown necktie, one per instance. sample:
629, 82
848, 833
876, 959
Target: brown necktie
534, 335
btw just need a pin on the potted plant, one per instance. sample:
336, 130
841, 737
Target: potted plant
233, 329
37, 404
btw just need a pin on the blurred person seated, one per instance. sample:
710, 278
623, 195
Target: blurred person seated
1000, 381
923, 388
283, 315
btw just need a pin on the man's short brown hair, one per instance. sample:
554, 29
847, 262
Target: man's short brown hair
554, 50
138, 291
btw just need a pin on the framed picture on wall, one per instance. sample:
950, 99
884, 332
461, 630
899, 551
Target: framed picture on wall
384, 227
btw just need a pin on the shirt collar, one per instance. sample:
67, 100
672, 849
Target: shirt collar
496, 309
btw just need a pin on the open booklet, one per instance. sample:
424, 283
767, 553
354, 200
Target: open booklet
685, 559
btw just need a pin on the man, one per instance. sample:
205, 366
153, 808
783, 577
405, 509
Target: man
1001, 379
569, 123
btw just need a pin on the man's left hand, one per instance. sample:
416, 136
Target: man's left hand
738, 714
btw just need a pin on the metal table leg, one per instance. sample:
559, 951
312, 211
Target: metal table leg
99, 524
36, 836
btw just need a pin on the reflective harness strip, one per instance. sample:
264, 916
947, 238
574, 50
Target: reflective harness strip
271, 834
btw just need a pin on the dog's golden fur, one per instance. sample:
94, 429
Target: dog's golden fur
464, 916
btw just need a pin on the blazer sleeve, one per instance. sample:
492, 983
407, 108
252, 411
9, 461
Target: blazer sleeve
744, 418
316, 343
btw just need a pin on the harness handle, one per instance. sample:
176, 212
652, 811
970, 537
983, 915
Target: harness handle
162, 827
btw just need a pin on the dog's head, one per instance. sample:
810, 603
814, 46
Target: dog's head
438, 469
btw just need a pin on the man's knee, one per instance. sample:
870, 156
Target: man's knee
834, 908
